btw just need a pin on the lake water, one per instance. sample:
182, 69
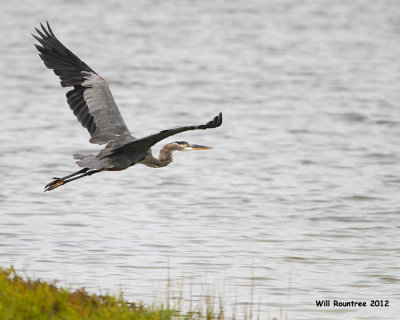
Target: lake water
298, 200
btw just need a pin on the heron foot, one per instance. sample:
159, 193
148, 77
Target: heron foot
54, 184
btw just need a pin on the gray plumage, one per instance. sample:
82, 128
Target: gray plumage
93, 104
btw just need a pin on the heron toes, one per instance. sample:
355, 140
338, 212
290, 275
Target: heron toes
54, 184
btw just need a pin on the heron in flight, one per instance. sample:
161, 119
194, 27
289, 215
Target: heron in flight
93, 104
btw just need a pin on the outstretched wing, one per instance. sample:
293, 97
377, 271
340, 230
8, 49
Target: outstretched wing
91, 99
147, 142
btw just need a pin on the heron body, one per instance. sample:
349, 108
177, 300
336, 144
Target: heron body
91, 101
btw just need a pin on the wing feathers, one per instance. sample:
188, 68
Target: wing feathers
92, 102
75, 96
48, 27
90, 99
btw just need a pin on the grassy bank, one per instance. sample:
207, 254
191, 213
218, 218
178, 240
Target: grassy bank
23, 299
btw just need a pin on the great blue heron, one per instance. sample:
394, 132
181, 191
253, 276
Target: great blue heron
94, 106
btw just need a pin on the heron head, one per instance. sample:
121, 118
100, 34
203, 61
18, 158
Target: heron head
186, 146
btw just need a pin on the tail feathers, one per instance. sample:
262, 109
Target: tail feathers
80, 156
89, 161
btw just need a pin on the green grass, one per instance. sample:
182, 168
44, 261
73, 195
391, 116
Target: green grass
26, 299
23, 299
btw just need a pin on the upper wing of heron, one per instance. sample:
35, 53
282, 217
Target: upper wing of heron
91, 99
147, 142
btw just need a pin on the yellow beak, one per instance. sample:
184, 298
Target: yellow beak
196, 147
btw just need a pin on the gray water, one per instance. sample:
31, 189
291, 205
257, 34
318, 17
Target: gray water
301, 190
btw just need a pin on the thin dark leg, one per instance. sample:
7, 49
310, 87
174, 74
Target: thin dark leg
60, 182
89, 173
56, 180
73, 174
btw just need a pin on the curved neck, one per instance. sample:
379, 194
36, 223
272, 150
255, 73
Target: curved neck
164, 158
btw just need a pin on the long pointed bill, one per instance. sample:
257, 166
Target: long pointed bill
196, 147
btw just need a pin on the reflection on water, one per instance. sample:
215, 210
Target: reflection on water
300, 190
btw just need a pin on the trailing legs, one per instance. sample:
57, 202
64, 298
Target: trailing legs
57, 182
